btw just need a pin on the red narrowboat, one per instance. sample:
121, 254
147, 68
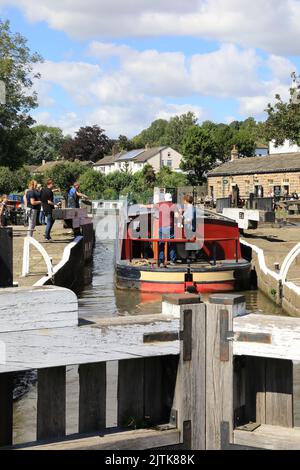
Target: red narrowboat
214, 265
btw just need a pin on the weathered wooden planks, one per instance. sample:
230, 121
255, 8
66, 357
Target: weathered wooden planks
131, 393
269, 437
283, 331
92, 397
296, 394
189, 398
55, 347
279, 401
51, 404
219, 377
131, 440
36, 308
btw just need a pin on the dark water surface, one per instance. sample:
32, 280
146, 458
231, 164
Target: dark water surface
100, 299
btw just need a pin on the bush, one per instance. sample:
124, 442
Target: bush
65, 174
8, 180
110, 194
118, 181
23, 177
92, 183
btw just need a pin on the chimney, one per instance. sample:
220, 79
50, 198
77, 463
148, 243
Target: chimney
115, 150
234, 153
147, 147
43, 162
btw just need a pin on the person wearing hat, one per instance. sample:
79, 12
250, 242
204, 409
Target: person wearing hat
165, 213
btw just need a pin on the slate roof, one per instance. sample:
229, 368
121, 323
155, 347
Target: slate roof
149, 153
143, 157
279, 163
108, 160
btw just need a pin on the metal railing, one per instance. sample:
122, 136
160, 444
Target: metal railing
168, 241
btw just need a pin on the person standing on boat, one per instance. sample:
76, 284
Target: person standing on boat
189, 217
165, 212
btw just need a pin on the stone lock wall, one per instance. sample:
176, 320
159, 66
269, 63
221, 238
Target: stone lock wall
222, 185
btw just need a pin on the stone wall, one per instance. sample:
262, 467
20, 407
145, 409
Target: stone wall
222, 185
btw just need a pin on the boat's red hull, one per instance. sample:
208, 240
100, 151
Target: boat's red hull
180, 288
235, 276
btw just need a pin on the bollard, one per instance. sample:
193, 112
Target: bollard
6, 257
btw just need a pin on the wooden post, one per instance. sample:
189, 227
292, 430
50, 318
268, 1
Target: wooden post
51, 404
219, 367
92, 397
189, 399
131, 393
296, 393
6, 409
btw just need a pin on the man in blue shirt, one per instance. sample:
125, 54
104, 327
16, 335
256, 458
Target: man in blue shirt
74, 197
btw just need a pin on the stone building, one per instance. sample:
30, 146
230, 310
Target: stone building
277, 174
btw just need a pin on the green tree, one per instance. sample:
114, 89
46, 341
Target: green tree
148, 176
46, 144
65, 174
8, 181
92, 183
166, 178
151, 136
110, 194
245, 142
17, 65
176, 130
22, 176
199, 154
118, 180
283, 121
124, 143
90, 144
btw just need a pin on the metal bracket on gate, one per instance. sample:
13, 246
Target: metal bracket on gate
225, 336
186, 335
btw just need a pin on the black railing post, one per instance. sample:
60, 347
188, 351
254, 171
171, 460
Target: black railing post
214, 253
6, 257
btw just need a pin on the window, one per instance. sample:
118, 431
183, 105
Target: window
169, 154
169, 163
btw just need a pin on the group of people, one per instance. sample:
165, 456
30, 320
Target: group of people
168, 215
39, 200
39, 204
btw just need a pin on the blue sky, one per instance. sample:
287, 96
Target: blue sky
123, 63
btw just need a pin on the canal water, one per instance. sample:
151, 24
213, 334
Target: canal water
100, 298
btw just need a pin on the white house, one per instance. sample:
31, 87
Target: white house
135, 160
287, 147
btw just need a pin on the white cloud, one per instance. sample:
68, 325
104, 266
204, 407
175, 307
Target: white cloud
69, 122
281, 67
172, 110
256, 105
142, 85
226, 72
272, 25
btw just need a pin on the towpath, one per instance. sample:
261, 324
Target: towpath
276, 244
